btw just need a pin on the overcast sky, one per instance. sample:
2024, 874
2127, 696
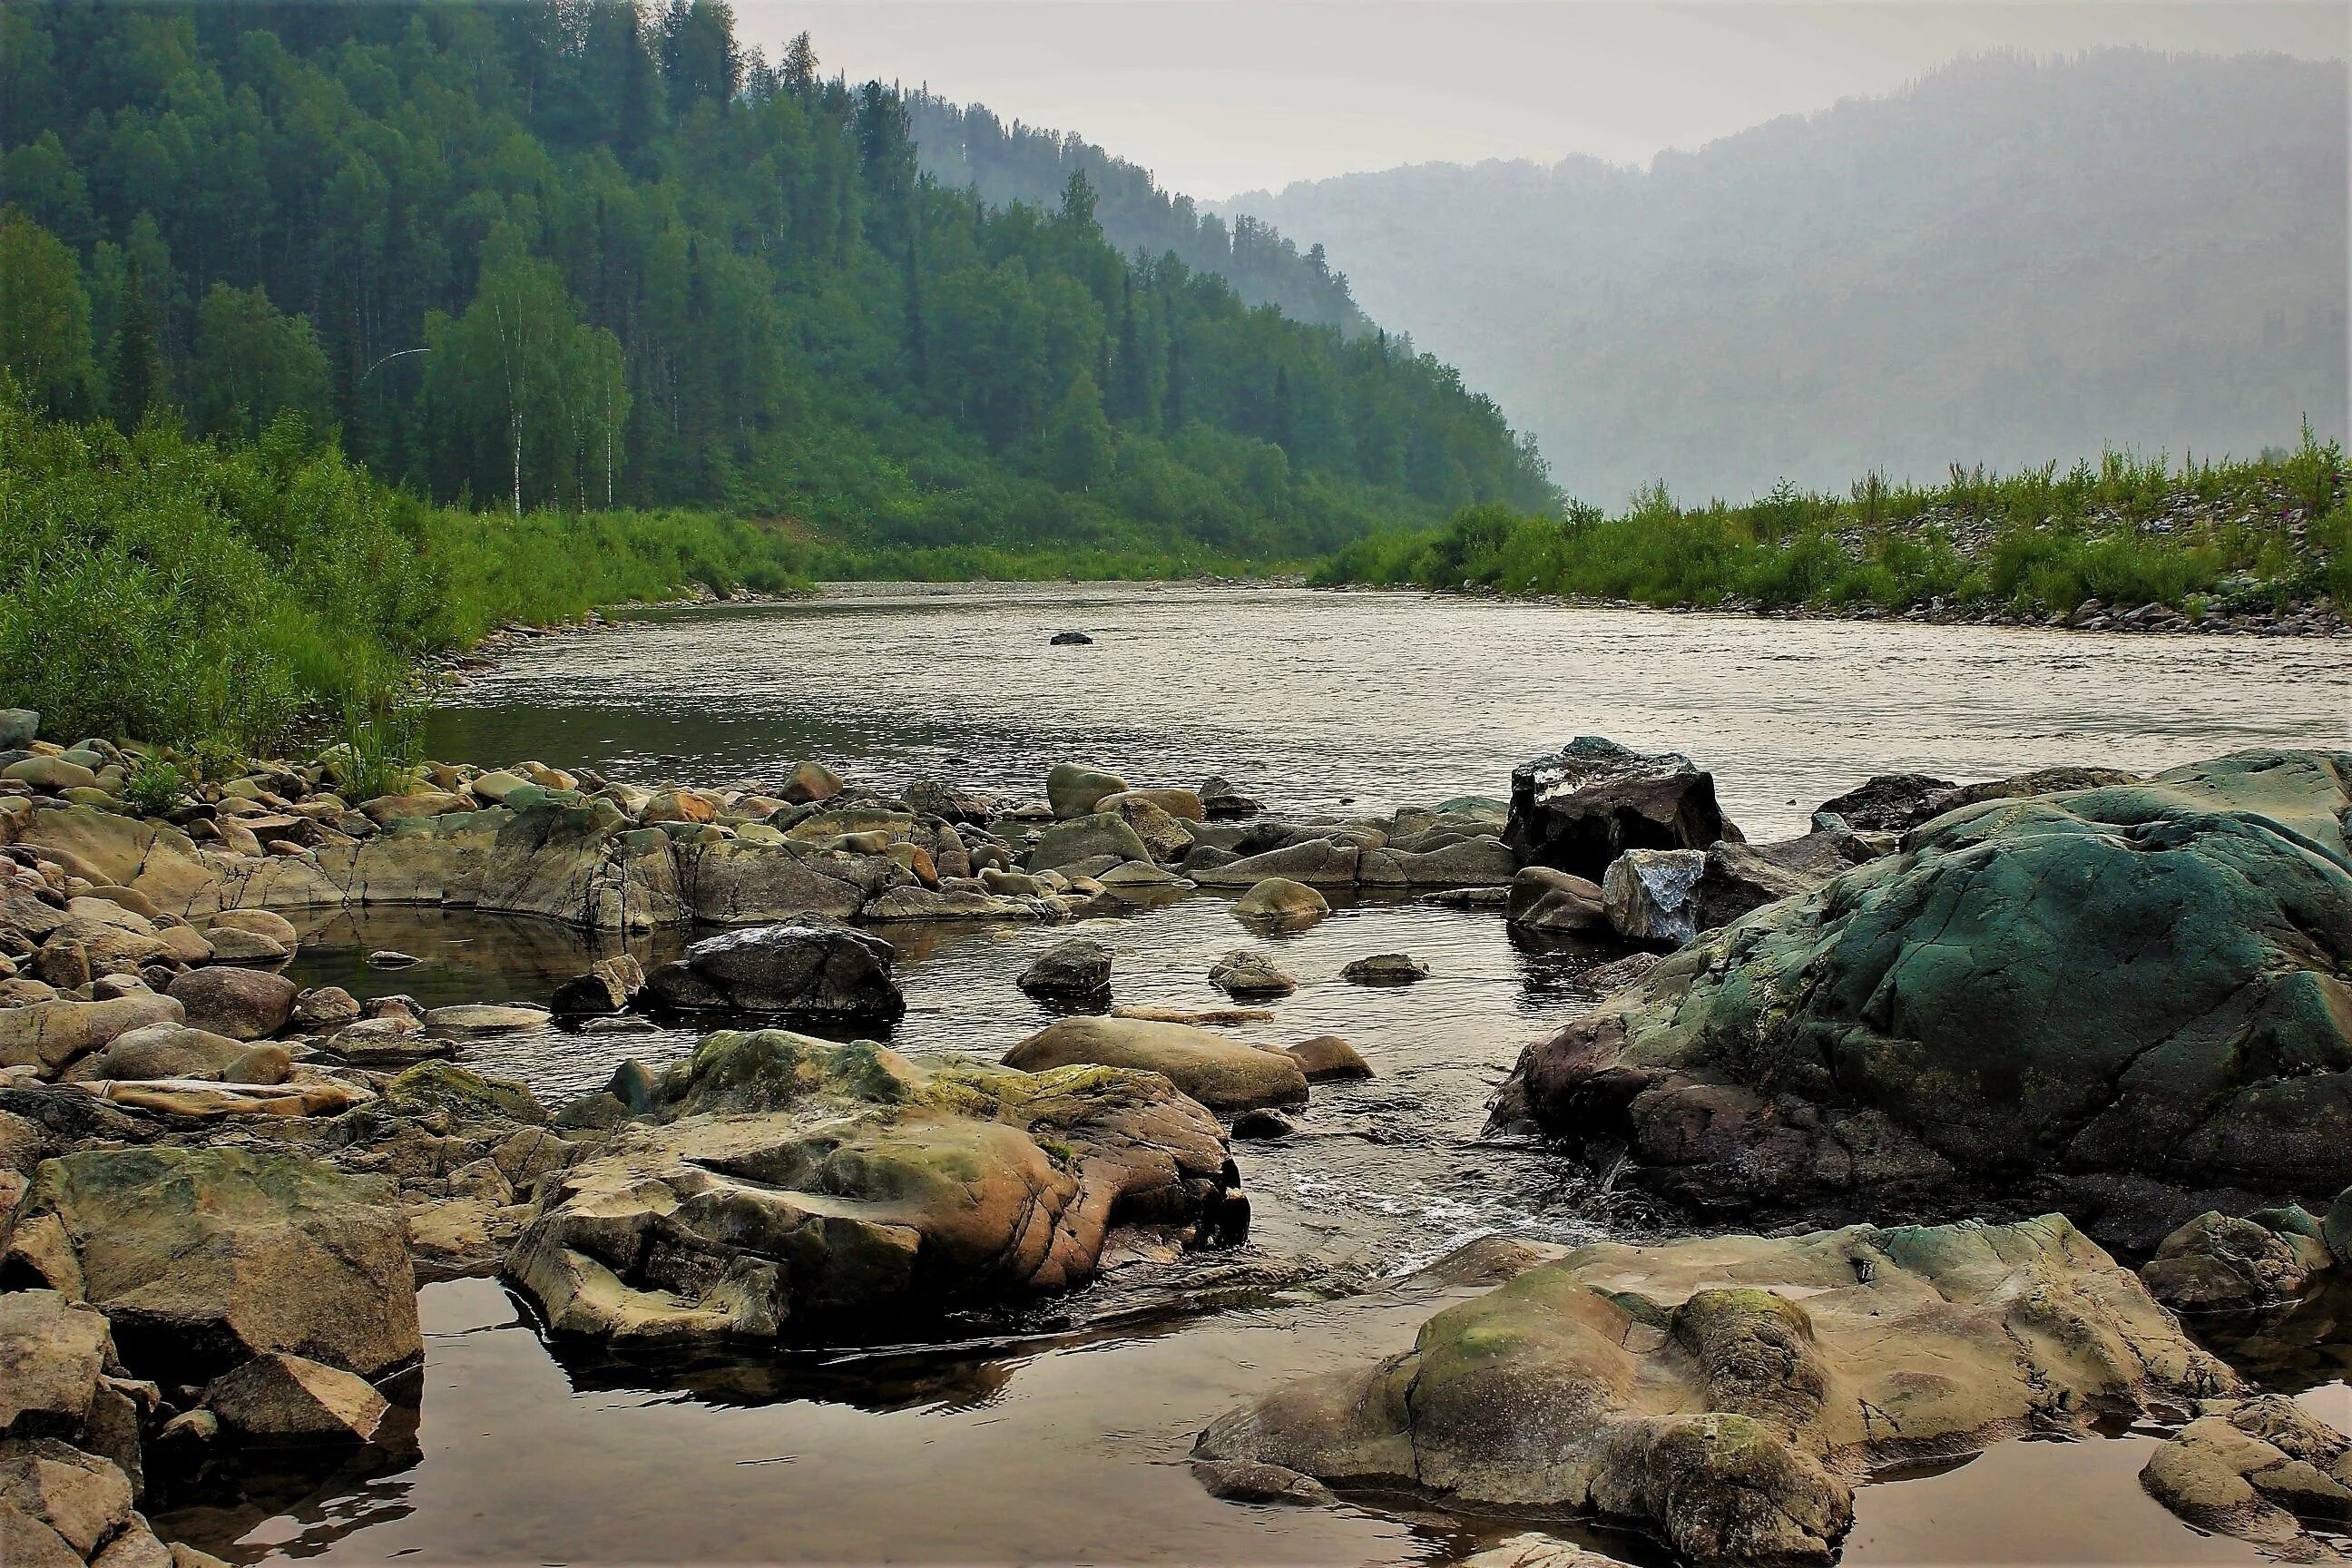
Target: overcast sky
1217, 96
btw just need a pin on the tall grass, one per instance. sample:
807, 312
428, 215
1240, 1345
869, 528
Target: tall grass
2126, 530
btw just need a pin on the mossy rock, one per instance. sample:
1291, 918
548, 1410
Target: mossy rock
461, 1092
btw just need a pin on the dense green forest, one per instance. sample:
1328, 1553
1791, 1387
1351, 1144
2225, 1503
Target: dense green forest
2254, 538
969, 147
592, 254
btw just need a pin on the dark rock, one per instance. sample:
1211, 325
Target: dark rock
1328, 1058
1888, 802
609, 985
1244, 973
1384, 969
1220, 801
1069, 639
1264, 1125
1579, 810
811, 968
1542, 898
1077, 969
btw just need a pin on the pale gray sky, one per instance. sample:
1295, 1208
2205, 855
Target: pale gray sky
1218, 96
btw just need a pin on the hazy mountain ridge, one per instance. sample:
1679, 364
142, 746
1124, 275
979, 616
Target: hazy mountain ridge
2008, 262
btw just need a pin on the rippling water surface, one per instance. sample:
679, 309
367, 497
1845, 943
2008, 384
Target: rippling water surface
1071, 1450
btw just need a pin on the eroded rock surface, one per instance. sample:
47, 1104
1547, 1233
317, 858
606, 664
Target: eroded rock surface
1727, 1392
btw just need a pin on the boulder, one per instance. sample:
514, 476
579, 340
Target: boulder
1085, 837
276, 1400
1073, 789
1246, 972
1888, 802
386, 809
53, 1495
1652, 895
1076, 969
948, 803
2218, 1263
204, 1257
2132, 990
2260, 1470
2022, 786
1163, 833
485, 1018
789, 1187
243, 1004
53, 1351
1222, 1074
809, 968
1478, 861
50, 774
1725, 1392
162, 1050
1328, 1058
267, 923
493, 787
46, 1035
461, 1095
1280, 901
1582, 809
811, 783
1183, 805
17, 728
608, 986
1743, 876
1384, 969
1220, 801
231, 945
1324, 861
324, 1007
1548, 900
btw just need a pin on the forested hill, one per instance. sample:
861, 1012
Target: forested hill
583, 252
2010, 261
962, 147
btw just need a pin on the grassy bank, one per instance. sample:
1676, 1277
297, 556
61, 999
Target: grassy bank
2258, 537
189, 591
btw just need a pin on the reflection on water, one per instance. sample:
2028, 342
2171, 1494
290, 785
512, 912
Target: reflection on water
1307, 698
1070, 1448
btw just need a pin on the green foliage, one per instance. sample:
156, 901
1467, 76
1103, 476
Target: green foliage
252, 363
154, 787
578, 253
2128, 532
44, 316
382, 743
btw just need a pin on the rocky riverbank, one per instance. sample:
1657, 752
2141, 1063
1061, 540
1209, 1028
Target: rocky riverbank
2110, 998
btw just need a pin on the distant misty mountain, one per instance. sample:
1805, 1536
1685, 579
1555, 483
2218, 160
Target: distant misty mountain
971, 147
2008, 262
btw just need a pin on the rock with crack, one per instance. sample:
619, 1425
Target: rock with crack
201, 1259
1579, 810
2140, 985
1727, 1392
784, 1187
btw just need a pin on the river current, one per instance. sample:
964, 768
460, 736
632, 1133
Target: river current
1069, 1448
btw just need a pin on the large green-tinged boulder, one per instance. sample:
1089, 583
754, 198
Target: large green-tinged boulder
1727, 1392
2103, 997
1090, 838
1073, 789
201, 1259
777, 1186
1222, 1074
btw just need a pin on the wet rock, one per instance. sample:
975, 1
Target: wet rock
1246, 972
1478, 862
1280, 901
1222, 1074
1328, 1058
1548, 900
1073, 789
460, 1094
807, 968
2261, 1469
2217, 1263
796, 1187
203, 1258
609, 985
1069, 639
1162, 831
1652, 895
324, 1007
1718, 1391
485, 1018
2076, 986
1133, 880
243, 1004
1384, 969
1248, 1481
949, 803
1222, 802
1322, 862
1264, 1125
1582, 809
278, 1400
1888, 802
1534, 1550
1079, 969
390, 958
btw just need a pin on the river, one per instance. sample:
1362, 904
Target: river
1069, 1448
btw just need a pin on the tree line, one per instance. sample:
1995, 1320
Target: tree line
593, 253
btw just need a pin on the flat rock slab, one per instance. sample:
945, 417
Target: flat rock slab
1222, 1074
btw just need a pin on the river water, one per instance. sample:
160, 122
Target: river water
1069, 1448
